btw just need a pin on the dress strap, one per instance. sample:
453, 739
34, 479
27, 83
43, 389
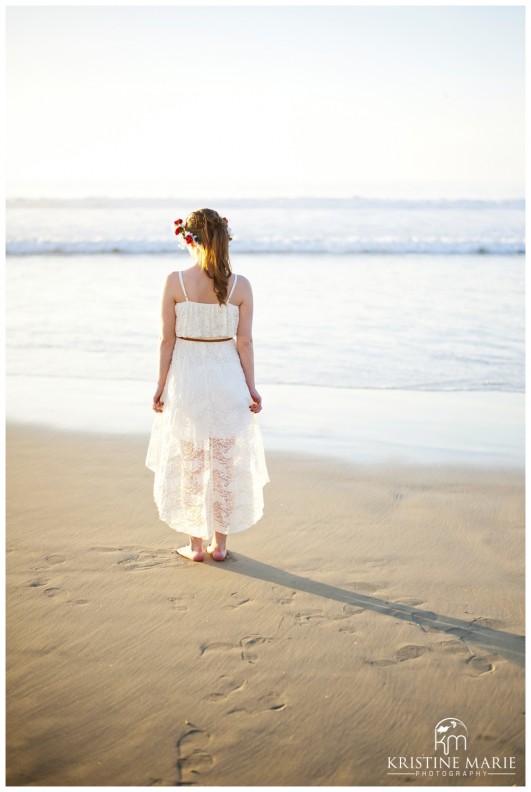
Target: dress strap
233, 285
182, 284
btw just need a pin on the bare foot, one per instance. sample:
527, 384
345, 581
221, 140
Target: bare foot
187, 552
217, 553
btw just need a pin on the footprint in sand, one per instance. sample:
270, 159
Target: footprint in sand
146, 559
427, 629
55, 559
408, 652
55, 593
309, 617
459, 632
271, 702
346, 612
52, 592
215, 646
193, 758
417, 616
248, 645
423, 619
453, 647
348, 629
477, 666
178, 600
236, 601
287, 599
225, 687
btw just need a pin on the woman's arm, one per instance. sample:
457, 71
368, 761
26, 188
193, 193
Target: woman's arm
244, 344
167, 338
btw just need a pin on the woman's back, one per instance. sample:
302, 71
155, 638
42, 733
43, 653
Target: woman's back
196, 286
199, 318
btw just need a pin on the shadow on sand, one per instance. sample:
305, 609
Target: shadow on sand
510, 646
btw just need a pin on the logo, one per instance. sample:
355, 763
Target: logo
451, 758
450, 733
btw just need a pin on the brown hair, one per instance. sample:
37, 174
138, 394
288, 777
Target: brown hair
212, 234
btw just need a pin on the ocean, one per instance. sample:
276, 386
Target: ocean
350, 296
310, 225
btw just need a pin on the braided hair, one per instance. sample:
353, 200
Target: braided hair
212, 234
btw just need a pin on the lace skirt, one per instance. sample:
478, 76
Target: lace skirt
206, 447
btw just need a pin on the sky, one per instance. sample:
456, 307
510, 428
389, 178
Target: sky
243, 101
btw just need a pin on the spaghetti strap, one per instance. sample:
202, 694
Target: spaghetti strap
182, 284
233, 285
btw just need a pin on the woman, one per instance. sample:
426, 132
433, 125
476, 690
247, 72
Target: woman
206, 446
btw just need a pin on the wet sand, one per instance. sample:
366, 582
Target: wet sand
368, 604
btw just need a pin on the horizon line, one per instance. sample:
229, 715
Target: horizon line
256, 199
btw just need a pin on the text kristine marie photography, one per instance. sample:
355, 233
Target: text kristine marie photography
451, 740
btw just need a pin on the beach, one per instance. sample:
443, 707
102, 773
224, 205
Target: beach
370, 602
367, 198
379, 601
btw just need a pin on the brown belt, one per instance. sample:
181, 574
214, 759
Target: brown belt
204, 339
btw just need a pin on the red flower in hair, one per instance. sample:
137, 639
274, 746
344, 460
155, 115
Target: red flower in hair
178, 222
178, 230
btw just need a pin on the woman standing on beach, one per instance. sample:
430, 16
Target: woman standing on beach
206, 446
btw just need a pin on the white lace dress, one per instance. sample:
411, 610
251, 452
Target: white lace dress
206, 447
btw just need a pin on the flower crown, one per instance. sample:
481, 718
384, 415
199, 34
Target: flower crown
186, 237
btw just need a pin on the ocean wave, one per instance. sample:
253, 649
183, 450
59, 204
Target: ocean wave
330, 246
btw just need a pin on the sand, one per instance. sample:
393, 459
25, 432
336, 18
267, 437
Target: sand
369, 603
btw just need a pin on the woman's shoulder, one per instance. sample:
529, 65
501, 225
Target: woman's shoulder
173, 277
173, 285
175, 273
241, 292
242, 281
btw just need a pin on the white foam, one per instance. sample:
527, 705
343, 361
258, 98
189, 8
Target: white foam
321, 226
333, 246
